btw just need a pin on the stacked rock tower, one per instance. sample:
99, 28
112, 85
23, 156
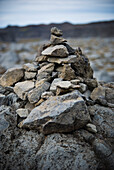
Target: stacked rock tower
56, 94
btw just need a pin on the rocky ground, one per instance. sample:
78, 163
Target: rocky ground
54, 114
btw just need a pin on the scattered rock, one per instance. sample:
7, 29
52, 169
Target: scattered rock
57, 50
11, 76
22, 88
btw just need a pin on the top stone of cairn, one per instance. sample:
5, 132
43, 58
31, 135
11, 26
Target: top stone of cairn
56, 31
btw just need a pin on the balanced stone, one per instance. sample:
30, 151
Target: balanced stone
30, 67
29, 75
56, 31
57, 40
68, 60
56, 51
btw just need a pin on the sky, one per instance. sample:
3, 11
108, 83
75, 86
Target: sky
26, 12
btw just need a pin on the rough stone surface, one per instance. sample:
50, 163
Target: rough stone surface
65, 152
30, 67
59, 114
47, 68
47, 94
56, 51
35, 94
11, 76
67, 73
22, 88
53, 84
82, 67
109, 95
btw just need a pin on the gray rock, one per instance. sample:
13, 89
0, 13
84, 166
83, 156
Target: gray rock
91, 83
56, 51
3, 100
35, 94
59, 114
109, 95
61, 151
22, 88
29, 75
11, 76
23, 113
83, 87
56, 31
30, 67
67, 60
57, 40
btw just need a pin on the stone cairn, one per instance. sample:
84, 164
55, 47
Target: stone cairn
56, 94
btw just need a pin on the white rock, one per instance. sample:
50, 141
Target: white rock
53, 84
22, 88
23, 113
92, 128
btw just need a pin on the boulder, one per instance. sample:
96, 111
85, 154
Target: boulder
30, 67
64, 113
11, 76
22, 88
35, 94
56, 31
67, 73
56, 51
57, 40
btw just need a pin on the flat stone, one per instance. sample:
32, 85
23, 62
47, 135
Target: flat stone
47, 68
56, 31
22, 88
92, 128
98, 92
75, 81
29, 75
30, 67
56, 51
59, 114
64, 84
11, 76
23, 113
41, 58
67, 73
35, 94
67, 60
57, 40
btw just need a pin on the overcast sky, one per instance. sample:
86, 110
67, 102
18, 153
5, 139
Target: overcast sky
25, 12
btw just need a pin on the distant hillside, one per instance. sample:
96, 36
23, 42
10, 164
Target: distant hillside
98, 29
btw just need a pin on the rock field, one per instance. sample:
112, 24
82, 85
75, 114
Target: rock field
54, 114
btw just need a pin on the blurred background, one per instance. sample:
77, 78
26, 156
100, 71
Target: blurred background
89, 24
